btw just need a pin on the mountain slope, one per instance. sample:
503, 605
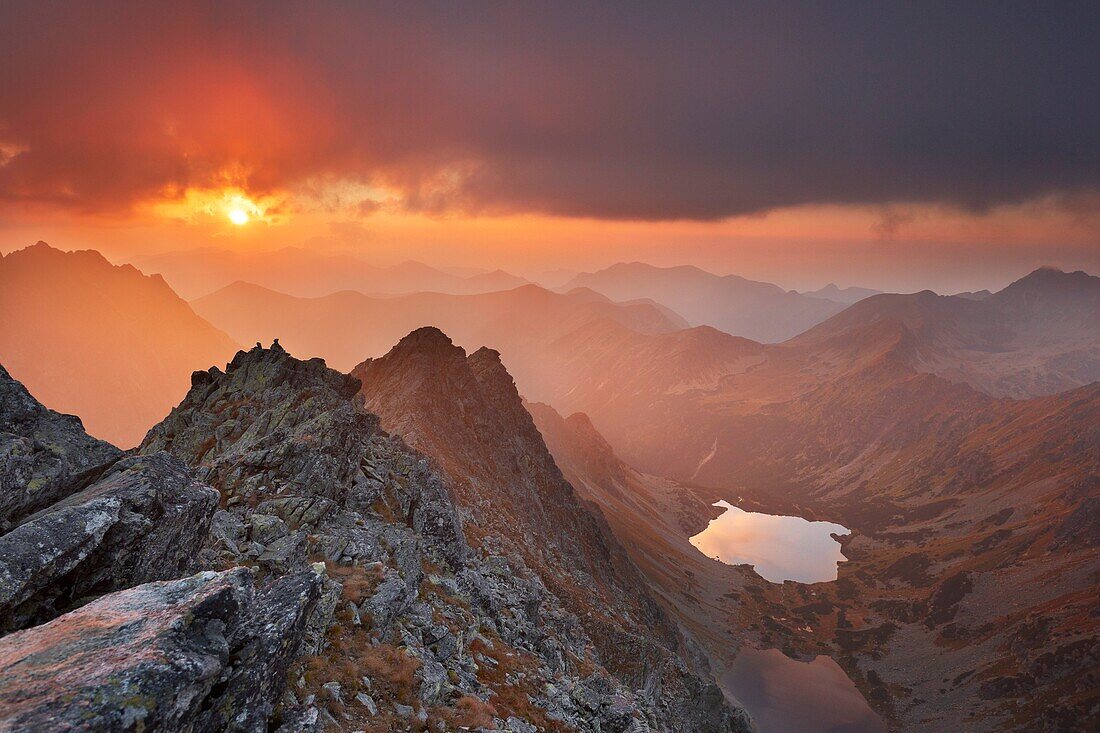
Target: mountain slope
756, 310
343, 328
103, 342
952, 496
1040, 335
465, 413
303, 272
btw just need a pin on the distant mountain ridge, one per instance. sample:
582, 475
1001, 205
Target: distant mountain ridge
345, 327
842, 295
756, 310
101, 341
1039, 335
303, 272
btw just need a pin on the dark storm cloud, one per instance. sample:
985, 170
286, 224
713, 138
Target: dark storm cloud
639, 110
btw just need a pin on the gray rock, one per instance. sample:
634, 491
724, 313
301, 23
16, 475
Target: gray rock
286, 554
368, 702
201, 654
515, 725
44, 455
267, 528
145, 519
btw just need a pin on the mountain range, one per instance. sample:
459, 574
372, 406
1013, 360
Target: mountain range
345, 327
755, 310
482, 558
305, 272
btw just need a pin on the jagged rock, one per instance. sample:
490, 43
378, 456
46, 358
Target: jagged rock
201, 654
466, 413
143, 520
285, 554
267, 528
44, 455
289, 439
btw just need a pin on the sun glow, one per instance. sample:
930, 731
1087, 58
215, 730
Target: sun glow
238, 216
211, 205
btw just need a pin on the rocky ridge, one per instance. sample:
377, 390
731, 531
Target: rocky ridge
466, 413
101, 629
428, 632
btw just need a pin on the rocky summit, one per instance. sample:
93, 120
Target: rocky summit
271, 559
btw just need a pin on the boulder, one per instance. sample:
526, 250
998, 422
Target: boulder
144, 519
202, 654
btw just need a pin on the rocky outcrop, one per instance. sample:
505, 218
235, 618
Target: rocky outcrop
202, 654
144, 520
427, 630
44, 455
102, 522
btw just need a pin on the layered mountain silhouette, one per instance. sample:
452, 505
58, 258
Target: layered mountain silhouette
345, 327
756, 310
842, 295
1037, 336
106, 343
305, 272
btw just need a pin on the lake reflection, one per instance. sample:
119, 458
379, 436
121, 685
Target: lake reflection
779, 548
784, 695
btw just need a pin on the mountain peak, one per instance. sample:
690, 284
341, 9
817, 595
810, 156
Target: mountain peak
427, 342
1052, 281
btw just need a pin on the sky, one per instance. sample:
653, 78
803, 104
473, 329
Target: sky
900, 146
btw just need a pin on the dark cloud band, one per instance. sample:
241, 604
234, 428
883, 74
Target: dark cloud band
640, 110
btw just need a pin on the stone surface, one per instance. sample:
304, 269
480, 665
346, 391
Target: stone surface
144, 519
44, 455
204, 653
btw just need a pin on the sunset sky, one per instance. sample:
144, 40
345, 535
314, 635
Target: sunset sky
948, 145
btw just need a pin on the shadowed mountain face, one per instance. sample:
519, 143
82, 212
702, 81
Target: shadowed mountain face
756, 310
346, 327
106, 343
303, 272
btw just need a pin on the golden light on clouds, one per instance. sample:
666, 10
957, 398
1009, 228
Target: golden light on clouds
213, 205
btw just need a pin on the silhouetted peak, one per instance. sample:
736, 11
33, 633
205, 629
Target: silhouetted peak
1048, 276
41, 251
1049, 282
426, 341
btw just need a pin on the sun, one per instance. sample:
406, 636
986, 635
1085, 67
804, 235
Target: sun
238, 216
